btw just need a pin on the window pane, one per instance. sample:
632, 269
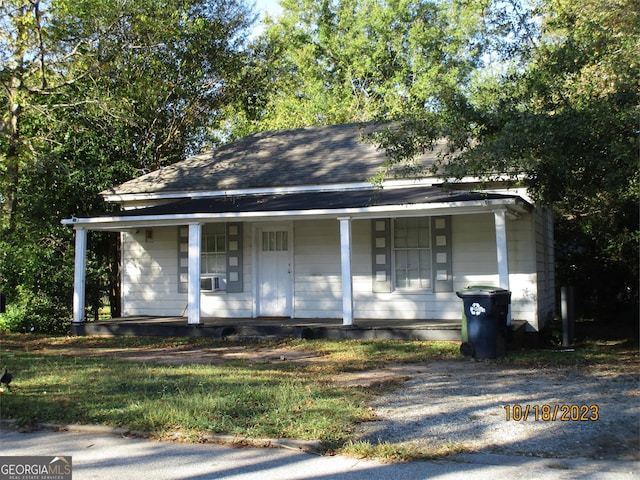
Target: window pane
425, 268
401, 240
214, 248
221, 263
412, 237
401, 259
214, 237
423, 237
284, 245
214, 263
275, 241
412, 253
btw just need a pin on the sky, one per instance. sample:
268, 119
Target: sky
272, 7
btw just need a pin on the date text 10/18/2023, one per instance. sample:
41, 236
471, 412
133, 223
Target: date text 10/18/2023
551, 413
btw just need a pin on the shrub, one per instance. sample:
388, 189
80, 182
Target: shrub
35, 312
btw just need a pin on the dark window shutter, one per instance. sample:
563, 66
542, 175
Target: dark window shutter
441, 251
381, 255
183, 259
234, 258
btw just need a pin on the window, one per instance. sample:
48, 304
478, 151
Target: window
412, 253
214, 249
220, 257
275, 241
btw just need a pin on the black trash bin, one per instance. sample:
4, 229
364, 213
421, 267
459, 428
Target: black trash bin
3, 303
485, 313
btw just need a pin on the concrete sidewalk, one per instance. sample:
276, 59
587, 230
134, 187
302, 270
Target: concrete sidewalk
102, 456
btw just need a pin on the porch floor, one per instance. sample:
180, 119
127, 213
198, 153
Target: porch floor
275, 327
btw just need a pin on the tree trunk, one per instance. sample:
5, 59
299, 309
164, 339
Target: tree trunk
115, 296
12, 127
10, 204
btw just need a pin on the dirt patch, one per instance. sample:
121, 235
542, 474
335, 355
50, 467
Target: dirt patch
203, 356
367, 378
220, 355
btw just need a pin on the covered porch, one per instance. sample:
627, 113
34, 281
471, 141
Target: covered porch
345, 209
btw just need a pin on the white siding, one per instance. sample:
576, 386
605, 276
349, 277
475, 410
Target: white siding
317, 285
317, 271
474, 250
475, 259
150, 276
522, 277
150, 272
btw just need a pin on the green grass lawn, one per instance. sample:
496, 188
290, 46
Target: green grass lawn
86, 380
239, 397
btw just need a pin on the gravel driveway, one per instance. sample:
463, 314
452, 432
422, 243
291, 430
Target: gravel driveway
464, 402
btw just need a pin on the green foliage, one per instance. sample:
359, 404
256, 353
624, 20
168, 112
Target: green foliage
391, 452
585, 100
96, 93
36, 268
35, 312
542, 93
559, 115
355, 60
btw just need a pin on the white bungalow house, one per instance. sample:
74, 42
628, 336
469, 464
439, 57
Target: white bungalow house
287, 224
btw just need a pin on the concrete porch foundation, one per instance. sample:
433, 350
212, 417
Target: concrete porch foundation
274, 327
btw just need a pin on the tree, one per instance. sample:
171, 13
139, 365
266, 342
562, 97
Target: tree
543, 93
155, 66
95, 93
323, 62
562, 111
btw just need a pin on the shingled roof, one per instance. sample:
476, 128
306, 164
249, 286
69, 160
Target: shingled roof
332, 154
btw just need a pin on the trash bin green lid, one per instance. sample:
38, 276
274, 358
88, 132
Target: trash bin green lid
487, 290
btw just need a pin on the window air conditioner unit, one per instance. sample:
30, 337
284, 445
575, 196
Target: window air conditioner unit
209, 284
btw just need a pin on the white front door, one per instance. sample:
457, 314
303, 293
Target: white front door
274, 288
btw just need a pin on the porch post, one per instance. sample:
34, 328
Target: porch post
501, 246
345, 260
501, 249
79, 275
193, 291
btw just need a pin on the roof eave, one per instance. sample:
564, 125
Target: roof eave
119, 223
141, 197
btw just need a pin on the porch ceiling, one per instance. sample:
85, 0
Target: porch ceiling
359, 203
